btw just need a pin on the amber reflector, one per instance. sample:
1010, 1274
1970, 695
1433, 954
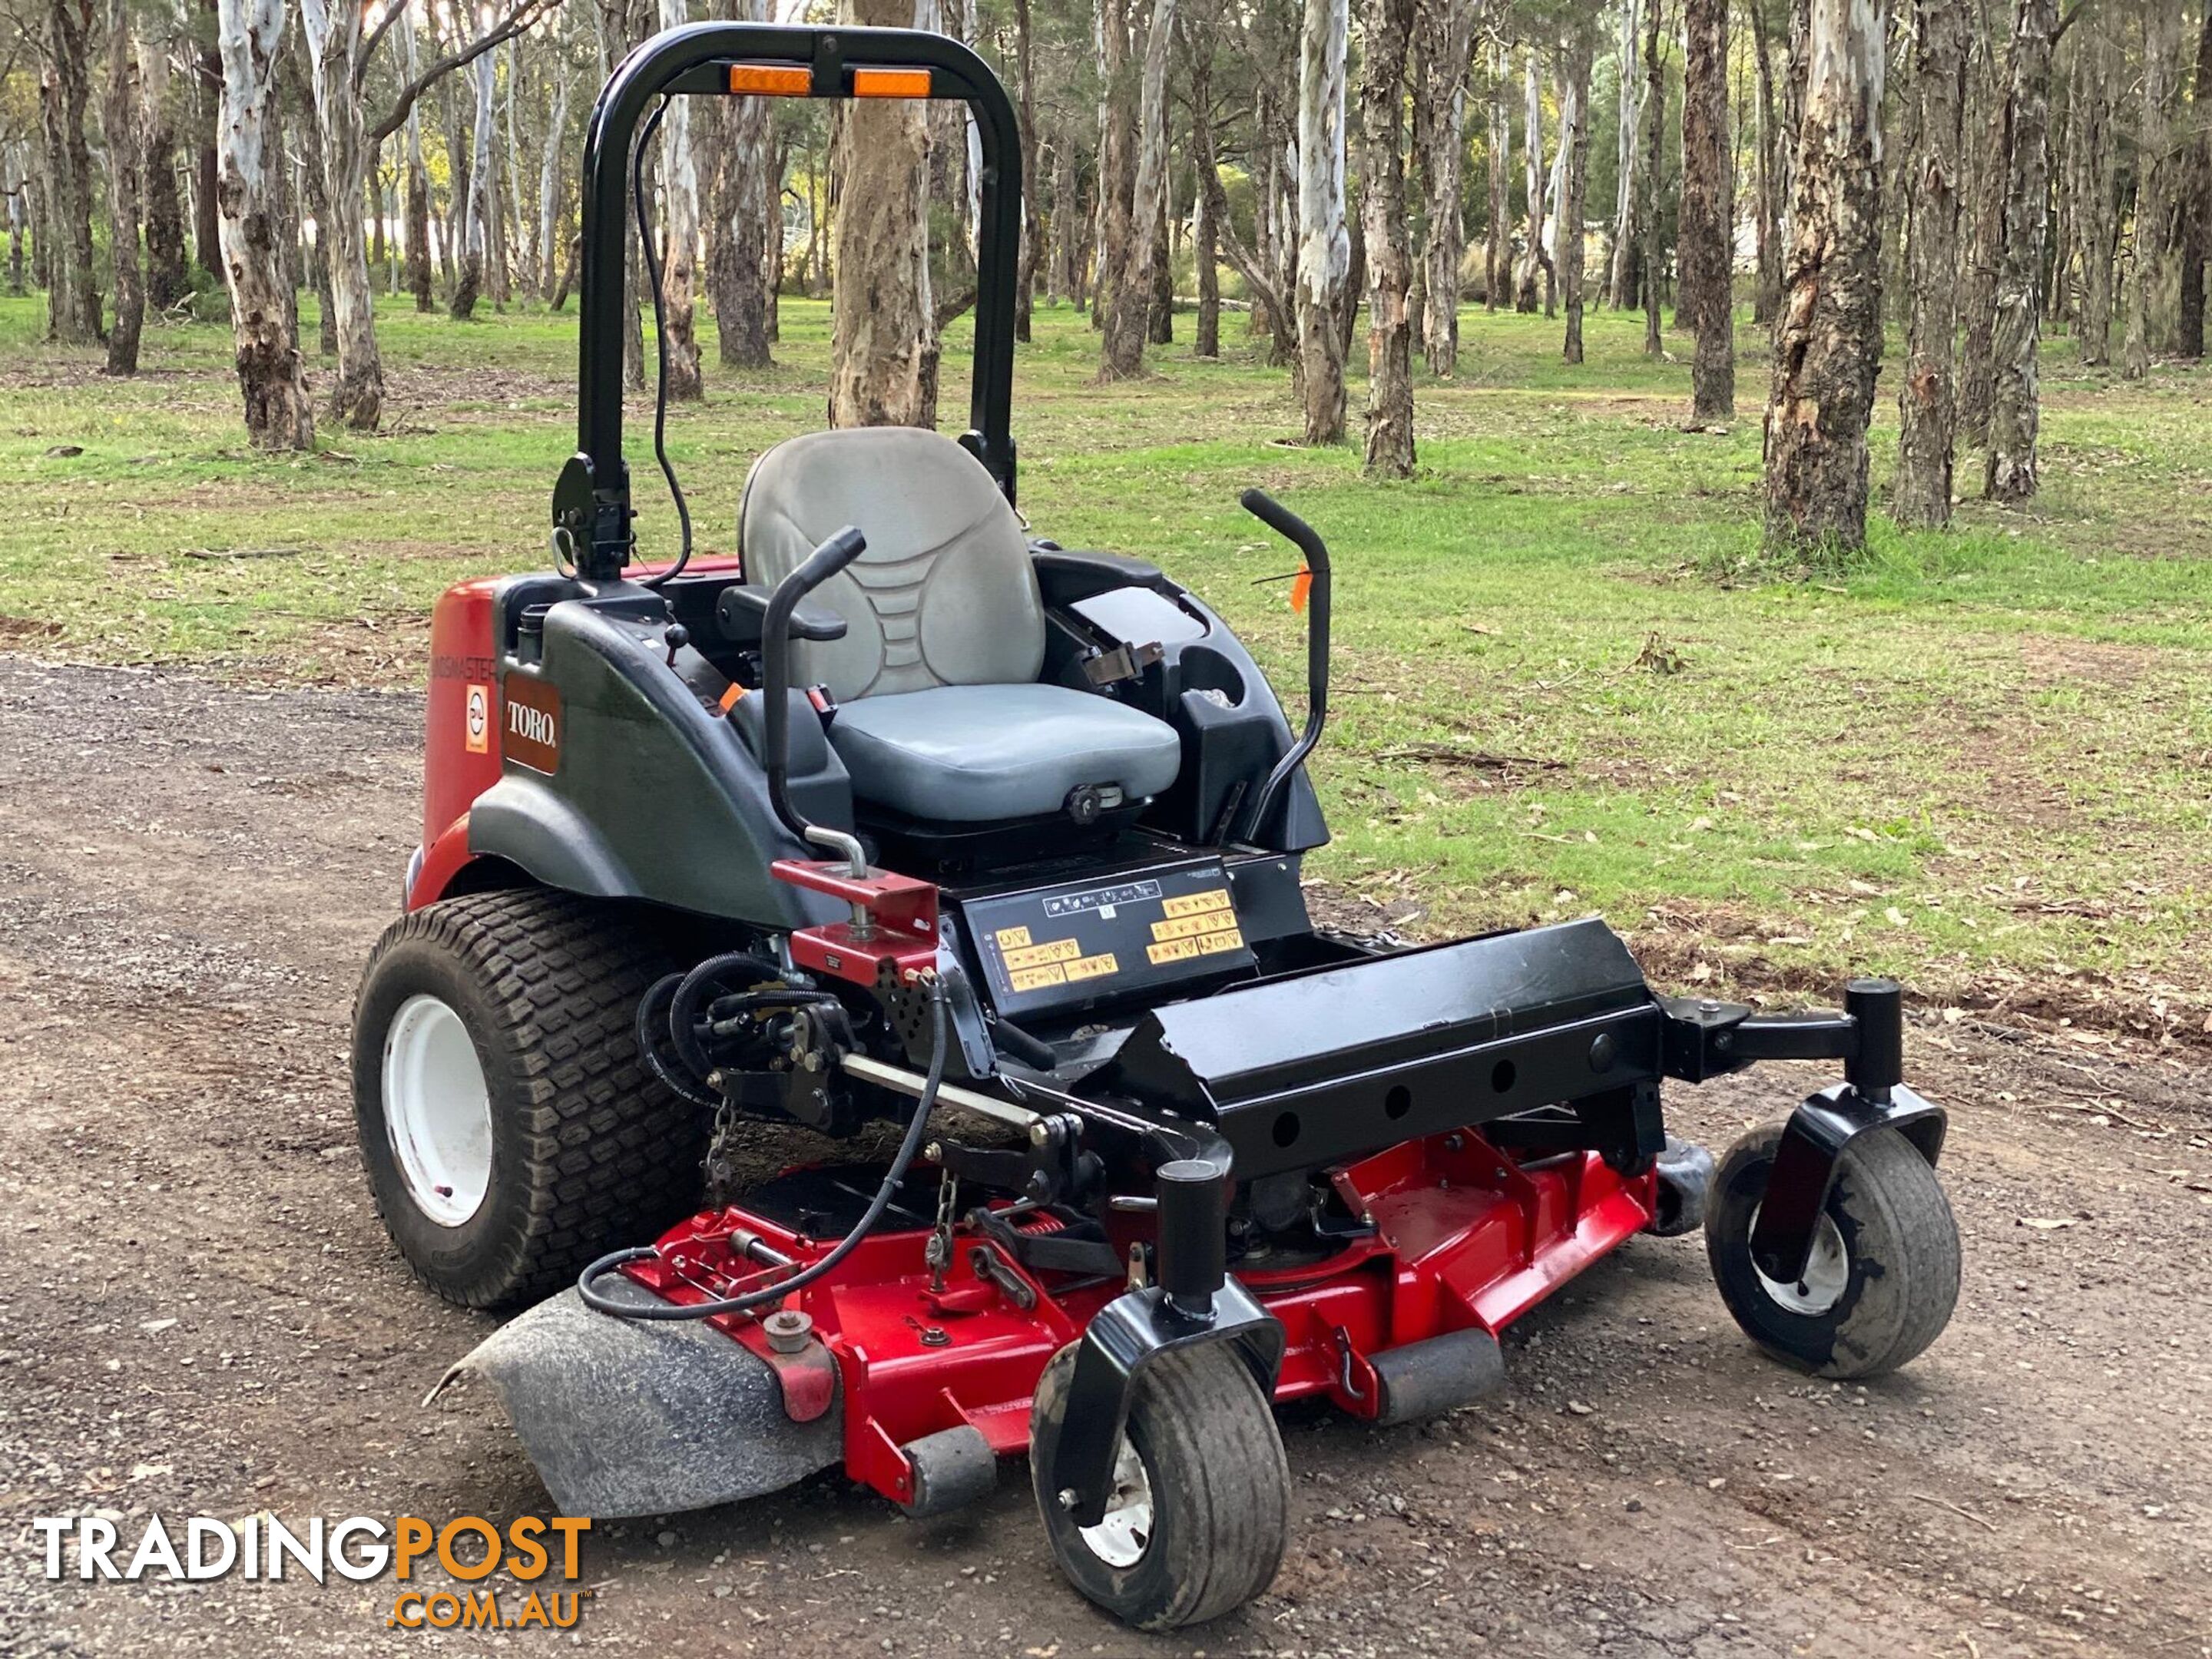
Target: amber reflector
771, 80
891, 83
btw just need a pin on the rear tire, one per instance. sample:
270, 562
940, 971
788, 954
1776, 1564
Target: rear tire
1203, 1491
498, 1182
1884, 1278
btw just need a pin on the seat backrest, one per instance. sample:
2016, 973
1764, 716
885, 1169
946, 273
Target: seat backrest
945, 594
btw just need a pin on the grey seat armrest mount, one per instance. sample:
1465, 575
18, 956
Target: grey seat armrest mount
742, 608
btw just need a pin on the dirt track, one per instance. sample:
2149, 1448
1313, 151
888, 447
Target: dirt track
198, 1314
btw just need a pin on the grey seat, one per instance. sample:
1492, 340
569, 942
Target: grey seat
941, 714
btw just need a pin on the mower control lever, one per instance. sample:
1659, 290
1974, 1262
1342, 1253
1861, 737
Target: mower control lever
823, 562
1301, 535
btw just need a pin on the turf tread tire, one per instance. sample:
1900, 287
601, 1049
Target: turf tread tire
1899, 1233
1207, 1432
590, 1152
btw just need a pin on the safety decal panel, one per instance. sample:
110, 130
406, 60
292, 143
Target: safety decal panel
1053, 949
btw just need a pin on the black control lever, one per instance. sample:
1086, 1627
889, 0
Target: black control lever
1301, 535
823, 562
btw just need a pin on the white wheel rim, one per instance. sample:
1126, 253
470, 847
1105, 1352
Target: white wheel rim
437, 1110
1827, 1274
1124, 1533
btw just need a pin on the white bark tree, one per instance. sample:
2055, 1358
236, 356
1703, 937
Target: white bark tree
679, 191
883, 327
1827, 341
1123, 355
1533, 257
333, 37
1324, 245
476, 229
1630, 112
278, 416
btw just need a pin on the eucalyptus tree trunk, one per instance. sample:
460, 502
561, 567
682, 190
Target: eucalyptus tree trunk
1117, 143
121, 130
1534, 178
1827, 341
2015, 402
1927, 407
1706, 240
1032, 249
1654, 138
1205, 233
1574, 181
2196, 187
1978, 293
472, 260
1767, 139
2155, 183
549, 178
1444, 30
278, 415
1386, 24
166, 279
1497, 251
1324, 245
882, 331
679, 256
15, 181
1141, 235
207, 104
1628, 109
65, 91
737, 247
333, 39
2091, 187
418, 178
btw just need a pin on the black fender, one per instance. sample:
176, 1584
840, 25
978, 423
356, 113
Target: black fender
646, 792
1812, 1143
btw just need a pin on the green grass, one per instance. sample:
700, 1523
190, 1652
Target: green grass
1975, 761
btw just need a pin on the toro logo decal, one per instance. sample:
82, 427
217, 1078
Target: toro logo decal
530, 733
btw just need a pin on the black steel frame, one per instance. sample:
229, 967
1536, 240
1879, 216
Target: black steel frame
592, 511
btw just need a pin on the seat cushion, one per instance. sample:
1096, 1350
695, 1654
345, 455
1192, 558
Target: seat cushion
975, 754
945, 594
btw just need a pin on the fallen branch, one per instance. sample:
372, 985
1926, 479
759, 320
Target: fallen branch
1942, 1503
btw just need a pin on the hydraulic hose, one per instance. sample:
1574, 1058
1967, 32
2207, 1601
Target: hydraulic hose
909, 1147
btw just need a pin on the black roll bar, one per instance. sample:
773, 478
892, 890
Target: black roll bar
590, 502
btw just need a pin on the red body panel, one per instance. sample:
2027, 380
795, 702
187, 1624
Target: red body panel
1464, 1236
460, 753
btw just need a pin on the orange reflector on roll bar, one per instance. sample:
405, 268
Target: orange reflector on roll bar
891, 83
772, 80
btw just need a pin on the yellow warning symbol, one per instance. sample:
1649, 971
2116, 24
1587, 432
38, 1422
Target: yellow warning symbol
1036, 955
1211, 945
1038, 979
1172, 949
1193, 903
1097, 967
1011, 938
1206, 921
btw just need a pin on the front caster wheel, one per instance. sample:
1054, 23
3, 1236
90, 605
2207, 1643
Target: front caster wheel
1883, 1276
1201, 1493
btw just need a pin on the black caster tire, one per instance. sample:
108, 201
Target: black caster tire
1884, 1276
1202, 1491
510, 1132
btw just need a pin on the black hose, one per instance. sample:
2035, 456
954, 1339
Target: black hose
901, 1161
648, 1047
660, 343
684, 1006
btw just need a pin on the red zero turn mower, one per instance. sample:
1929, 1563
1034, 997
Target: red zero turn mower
907, 818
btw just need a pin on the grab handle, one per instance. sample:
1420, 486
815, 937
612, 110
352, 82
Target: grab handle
1301, 535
